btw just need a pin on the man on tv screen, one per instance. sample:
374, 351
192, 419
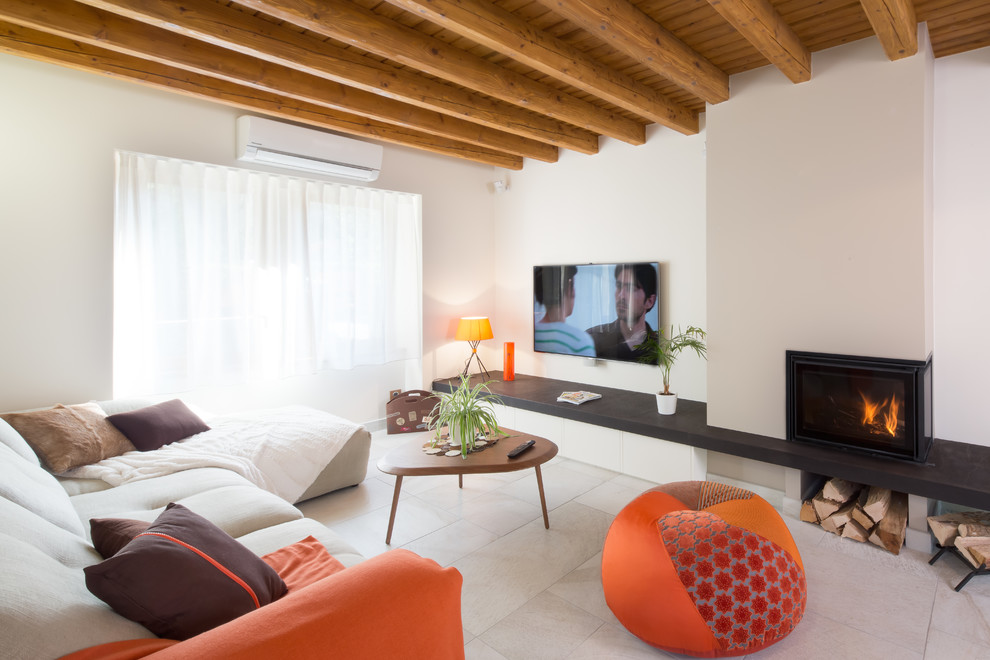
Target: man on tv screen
635, 295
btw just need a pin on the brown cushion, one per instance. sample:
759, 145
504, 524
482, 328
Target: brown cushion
65, 437
110, 535
183, 576
154, 426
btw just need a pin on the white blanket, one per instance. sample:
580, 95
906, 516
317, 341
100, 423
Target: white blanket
282, 450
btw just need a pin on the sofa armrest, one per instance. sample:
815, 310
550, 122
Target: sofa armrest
394, 605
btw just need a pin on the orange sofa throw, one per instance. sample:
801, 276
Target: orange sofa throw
394, 605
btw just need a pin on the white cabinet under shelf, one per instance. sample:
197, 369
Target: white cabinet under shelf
591, 444
661, 461
640, 456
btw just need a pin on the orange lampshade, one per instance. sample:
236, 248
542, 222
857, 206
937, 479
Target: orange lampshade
474, 328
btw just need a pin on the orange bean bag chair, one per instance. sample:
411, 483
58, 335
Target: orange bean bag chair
703, 569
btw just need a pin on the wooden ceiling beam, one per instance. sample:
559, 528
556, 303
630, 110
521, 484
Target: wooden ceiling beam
347, 22
250, 35
502, 31
760, 24
45, 47
896, 26
98, 28
637, 35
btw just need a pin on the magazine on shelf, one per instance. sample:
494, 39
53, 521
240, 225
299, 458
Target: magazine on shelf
578, 397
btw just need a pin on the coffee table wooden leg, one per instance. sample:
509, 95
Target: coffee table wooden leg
395, 503
543, 498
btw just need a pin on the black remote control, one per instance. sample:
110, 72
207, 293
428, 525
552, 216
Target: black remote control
521, 448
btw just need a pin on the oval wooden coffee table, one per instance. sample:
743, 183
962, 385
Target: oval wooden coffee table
409, 460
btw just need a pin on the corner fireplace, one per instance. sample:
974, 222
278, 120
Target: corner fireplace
872, 405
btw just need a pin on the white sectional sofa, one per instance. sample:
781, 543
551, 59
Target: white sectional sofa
46, 610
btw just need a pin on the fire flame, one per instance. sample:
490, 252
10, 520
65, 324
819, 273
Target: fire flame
890, 417
871, 408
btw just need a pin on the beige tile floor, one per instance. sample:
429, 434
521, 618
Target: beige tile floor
533, 593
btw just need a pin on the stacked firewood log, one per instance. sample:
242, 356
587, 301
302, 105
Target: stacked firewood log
861, 513
968, 531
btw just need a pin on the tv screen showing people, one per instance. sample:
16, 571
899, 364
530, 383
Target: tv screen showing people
596, 310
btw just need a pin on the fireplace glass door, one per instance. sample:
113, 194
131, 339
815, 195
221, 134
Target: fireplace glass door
866, 404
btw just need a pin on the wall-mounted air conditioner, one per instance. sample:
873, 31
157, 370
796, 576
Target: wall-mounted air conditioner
284, 145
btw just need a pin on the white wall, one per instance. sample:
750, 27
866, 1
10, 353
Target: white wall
59, 129
962, 242
626, 203
818, 224
848, 131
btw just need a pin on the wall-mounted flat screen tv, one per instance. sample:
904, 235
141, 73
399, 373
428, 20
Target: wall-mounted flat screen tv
595, 310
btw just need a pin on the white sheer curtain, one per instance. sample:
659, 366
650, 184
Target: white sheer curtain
225, 276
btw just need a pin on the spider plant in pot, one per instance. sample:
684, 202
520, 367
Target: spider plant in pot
466, 412
663, 350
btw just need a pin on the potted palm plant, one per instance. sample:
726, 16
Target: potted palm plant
663, 349
466, 412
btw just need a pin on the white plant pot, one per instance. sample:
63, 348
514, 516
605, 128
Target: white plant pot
458, 443
667, 403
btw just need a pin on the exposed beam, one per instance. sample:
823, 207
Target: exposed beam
762, 26
345, 21
504, 32
45, 47
634, 33
253, 36
98, 28
896, 26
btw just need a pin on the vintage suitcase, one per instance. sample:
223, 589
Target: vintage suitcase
406, 412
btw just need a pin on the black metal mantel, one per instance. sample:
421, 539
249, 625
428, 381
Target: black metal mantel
955, 471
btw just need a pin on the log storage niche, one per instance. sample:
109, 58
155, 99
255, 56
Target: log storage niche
861, 513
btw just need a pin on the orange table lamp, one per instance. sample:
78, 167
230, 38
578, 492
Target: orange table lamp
473, 330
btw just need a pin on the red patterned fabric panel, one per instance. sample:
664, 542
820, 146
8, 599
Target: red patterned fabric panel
748, 590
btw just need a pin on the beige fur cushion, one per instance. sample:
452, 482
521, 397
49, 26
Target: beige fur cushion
65, 437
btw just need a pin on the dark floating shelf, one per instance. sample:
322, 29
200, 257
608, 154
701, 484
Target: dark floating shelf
955, 472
